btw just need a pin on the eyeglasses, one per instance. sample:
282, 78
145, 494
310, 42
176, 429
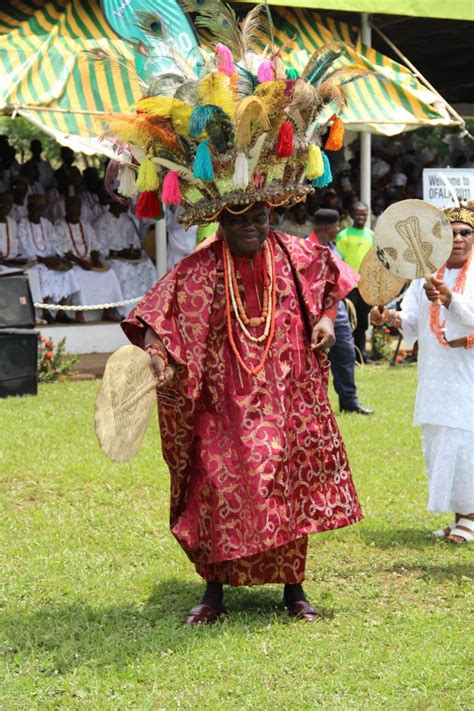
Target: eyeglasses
462, 233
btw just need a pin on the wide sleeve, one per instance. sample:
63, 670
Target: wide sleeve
462, 309
62, 245
321, 278
409, 313
93, 242
23, 241
177, 309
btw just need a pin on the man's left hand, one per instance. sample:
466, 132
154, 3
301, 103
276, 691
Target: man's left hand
437, 291
322, 337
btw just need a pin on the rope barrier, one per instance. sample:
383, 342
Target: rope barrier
95, 307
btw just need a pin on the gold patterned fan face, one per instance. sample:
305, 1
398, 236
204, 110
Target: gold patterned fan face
413, 239
125, 403
378, 286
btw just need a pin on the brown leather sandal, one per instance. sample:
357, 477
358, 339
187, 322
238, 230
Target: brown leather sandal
204, 615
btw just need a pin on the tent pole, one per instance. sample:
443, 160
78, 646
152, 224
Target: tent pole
365, 136
160, 246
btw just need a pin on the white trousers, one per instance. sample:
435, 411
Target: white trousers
449, 462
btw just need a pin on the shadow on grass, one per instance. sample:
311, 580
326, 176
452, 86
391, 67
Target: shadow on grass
434, 572
69, 636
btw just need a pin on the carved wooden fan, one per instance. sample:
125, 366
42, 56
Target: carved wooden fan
413, 239
125, 403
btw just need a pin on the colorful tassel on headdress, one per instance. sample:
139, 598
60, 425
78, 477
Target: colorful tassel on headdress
326, 177
202, 166
285, 140
127, 186
225, 62
265, 71
315, 162
292, 73
240, 178
170, 193
147, 178
148, 206
336, 135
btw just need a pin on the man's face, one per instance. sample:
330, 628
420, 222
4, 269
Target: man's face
35, 210
246, 233
73, 211
462, 245
19, 191
327, 233
359, 216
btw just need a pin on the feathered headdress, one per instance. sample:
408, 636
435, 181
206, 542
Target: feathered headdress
236, 127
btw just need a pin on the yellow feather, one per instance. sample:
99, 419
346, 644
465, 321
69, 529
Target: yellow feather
251, 114
272, 95
157, 105
180, 116
215, 89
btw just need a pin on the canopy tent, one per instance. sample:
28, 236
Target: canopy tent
454, 10
49, 56
49, 53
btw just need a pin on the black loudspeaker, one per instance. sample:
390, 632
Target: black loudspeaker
18, 362
16, 303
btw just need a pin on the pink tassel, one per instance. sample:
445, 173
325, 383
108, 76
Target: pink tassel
171, 194
226, 60
265, 71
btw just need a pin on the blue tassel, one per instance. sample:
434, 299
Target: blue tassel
326, 177
202, 167
200, 117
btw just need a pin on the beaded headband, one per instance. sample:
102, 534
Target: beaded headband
234, 128
460, 214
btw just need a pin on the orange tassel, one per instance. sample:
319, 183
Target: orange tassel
336, 135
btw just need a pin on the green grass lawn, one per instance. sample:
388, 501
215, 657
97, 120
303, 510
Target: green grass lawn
94, 589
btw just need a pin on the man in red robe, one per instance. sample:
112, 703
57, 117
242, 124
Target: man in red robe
238, 333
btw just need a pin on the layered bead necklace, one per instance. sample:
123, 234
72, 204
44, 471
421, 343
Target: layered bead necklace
234, 304
5, 253
40, 246
83, 252
436, 326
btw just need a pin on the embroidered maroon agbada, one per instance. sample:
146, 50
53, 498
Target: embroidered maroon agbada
256, 461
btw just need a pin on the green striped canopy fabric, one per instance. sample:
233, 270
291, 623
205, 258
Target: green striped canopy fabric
453, 10
61, 68
49, 54
388, 101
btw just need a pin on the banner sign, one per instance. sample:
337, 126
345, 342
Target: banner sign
442, 185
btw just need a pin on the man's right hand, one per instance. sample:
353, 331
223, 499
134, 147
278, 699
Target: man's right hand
377, 318
164, 373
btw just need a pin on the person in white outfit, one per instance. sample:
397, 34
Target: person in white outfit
38, 243
181, 242
76, 240
444, 402
119, 242
10, 250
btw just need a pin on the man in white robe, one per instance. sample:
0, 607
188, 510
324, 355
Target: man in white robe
76, 240
38, 243
120, 244
444, 403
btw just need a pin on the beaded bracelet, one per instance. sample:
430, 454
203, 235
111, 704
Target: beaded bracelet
157, 349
